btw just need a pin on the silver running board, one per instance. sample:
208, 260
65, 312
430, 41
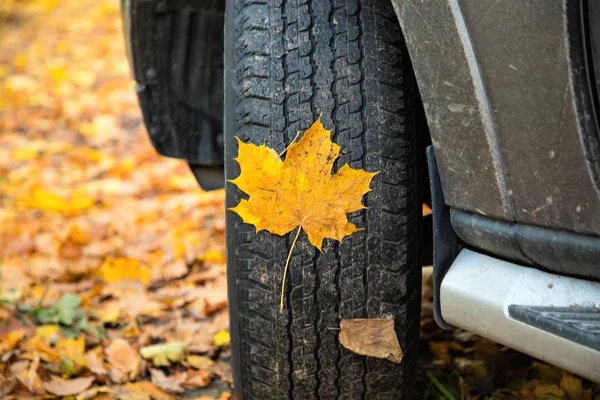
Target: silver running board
550, 317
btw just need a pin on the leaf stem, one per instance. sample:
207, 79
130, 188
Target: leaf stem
291, 143
287, 263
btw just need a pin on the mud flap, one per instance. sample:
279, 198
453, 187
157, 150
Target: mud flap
176, 51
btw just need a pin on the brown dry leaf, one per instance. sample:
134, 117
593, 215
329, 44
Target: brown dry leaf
373, 337
300, 191
124, 360
223, 371
168, 384
7, 385
198, 379
130, 391
29, 377
71, 387
93, 361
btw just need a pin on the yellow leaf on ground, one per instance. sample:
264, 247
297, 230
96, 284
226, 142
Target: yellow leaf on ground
215, 256
200, 362
109, 313
79, 235
124, 269
548, 392
572, 385
44, 200
70, 387
222, 338
10, 340
72, 349
37, 345
49, 332
149, 389
163, 354
130, 391
300, 190
373, 337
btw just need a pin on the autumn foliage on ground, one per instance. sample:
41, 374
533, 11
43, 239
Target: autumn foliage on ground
112, 270
112, 259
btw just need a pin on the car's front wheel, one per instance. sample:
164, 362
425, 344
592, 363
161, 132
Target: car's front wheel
287, 63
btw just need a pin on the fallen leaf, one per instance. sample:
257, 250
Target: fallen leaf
130, 391
223, 371
373, 337
124, 269
72, 349
42, 199
164, 382
38, 345
29, 377
10, 340
123, 358
548, 391
200, 362
572, 385
50, 332
148, 388
300, 191
222, 338
65, 311
163, 354
215, 256
93, 361
198, 379
71, 387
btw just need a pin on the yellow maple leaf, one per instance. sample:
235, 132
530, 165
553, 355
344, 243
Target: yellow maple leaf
300, 191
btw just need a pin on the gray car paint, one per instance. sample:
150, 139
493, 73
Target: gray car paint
511, 127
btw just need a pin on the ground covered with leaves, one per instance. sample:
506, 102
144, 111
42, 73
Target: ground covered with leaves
112, 269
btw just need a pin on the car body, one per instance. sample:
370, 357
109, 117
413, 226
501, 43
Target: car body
509, 93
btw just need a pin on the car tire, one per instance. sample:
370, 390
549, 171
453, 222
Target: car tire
287, 62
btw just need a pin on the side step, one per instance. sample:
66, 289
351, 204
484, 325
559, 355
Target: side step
551, 317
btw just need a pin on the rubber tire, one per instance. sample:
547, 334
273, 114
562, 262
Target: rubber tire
287, 62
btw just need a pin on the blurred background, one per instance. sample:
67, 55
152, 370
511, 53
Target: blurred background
112, 262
